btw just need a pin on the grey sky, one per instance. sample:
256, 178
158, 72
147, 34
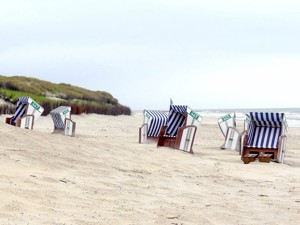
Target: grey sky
206, 54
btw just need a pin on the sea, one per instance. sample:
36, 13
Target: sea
292, 114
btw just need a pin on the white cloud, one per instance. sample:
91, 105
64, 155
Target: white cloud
207, 54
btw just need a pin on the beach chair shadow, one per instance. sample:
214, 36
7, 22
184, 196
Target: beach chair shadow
27, 112
227, 126
264, 137
63, 124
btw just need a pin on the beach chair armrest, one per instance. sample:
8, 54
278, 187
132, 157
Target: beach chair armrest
191, 138
244, 138
141, 132
145, 124
281, 148
69, 120
70, 129
26, 121
181, 129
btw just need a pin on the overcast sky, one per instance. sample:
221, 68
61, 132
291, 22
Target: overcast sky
205, 54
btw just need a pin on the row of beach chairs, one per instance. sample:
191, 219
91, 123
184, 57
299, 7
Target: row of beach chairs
264, 136
28, 111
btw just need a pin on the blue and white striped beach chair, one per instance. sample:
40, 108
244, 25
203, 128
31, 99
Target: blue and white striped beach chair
61, 117
153, 121
27, 112
227, 126
180, 131
265, 133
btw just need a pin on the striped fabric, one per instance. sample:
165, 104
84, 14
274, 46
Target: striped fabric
158, 119
267, 119
58, 116
20, 109
176, 119
265, 129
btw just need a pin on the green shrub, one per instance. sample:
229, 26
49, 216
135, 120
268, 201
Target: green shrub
81, 100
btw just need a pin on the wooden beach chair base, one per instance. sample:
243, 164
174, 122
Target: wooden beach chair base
261, 151
265, 158
166, 141
249, 158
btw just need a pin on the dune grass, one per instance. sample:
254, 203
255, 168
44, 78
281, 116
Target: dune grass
51, 95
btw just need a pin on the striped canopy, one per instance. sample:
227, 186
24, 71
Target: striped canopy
20, 109
265, 129
26, 105
156, 119
59, 114
177, 116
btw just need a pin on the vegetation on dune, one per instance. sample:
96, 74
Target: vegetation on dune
50, 96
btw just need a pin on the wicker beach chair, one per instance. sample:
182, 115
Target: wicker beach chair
27, 112
180, 131
227, 126
264, 136
61, 117
153, 121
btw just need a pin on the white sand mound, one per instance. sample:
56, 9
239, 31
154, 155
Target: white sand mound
103, 176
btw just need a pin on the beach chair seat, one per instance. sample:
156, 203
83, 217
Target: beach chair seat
181, 128
61, 117
153, 121
265, 134
27, 112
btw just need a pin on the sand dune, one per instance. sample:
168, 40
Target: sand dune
103, 176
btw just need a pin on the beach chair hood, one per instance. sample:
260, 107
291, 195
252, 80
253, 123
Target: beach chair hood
59, 115
265, 129
180, 115
155, 120
26, 106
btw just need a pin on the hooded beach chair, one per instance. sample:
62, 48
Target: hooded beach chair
227, 126
27, 112
61, 117
180, 131
264, 136
153, 121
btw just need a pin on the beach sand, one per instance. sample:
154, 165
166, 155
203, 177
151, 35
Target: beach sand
104, 176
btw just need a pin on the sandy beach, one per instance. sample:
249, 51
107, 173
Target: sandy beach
104, 176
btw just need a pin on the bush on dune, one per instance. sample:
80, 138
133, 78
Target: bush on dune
50, 96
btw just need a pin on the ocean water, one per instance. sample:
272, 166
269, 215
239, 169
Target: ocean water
292, 114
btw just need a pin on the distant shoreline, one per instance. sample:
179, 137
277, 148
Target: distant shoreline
242, 110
